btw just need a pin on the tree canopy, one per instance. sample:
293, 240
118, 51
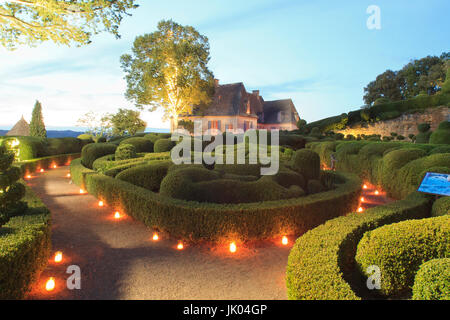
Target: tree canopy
37, 125
422, 75
127, 121
97, 125
168, 69
64, 22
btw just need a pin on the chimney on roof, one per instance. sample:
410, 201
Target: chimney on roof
256, 93
216, 83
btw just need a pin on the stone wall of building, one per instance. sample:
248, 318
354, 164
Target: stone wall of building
403, 125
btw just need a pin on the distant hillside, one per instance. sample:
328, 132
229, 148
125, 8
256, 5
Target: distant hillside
54, 133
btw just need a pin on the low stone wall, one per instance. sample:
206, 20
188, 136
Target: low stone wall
403, 125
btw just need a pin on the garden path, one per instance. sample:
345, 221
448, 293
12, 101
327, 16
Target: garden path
119, 260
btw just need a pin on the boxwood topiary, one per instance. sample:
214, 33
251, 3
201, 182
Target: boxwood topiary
441, 207
442, 134
399, 250
307, 163
432, 281
92, 152
147, 176
125, 151
141, 144
164, 145
315, 186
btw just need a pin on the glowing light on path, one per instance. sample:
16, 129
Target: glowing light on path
284, 241
82, 191
117, 215
362, 199
58, 256
50, 284
68, 175
42, 170
28, 177
377, 192
233, 247
180, 246
360, 209
365, 186
101, 204
155, 237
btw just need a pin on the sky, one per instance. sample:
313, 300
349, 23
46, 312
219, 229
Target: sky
321, 54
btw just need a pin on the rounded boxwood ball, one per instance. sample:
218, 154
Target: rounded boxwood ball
307, 163
125, 151
163, 145
432, 280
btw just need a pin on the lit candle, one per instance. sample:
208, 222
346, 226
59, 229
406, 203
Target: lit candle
284, 241
117, 215
101, 204
68, 175
58, 256
365, 186
180, 246
54, 166
360, 209
81, 191
155, 237
28, 176
232, 247
50, 284
362, 199
42, 170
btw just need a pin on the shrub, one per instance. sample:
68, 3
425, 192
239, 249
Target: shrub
56, 146
101, 139
215, 222
321, 262
307, 163
399, 250
30, 147
92, 152
315, 186
153, 137
440, 149
442, 134
147, 176
125, 151
24, 248
11, 190
441, 207
86, 136
164, 145
400, 137
432, 281
287, 178
293, 141
141, 144
423, 127
315, 132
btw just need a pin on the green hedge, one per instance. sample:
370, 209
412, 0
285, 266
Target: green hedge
442, 134
207, 221
33, 147
164, 145
92, 152
441, 207
35, 165
432, 281
141, 144
125, 151
147, 176
397, 167
399, 250
24, 248
321, 262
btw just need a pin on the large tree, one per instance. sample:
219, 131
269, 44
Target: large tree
97, 125
63, 21
37, 126
168, 69
420, 75
127, 121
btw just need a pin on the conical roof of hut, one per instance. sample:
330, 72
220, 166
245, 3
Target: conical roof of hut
21, 128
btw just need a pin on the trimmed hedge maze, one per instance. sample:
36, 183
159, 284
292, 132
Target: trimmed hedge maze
330, 261
197, 221
24, 248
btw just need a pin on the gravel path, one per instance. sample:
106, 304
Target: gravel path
119, 260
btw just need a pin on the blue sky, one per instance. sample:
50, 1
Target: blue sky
319, 53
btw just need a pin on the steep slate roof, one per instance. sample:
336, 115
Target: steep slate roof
21, 128
286, 107
231, 100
